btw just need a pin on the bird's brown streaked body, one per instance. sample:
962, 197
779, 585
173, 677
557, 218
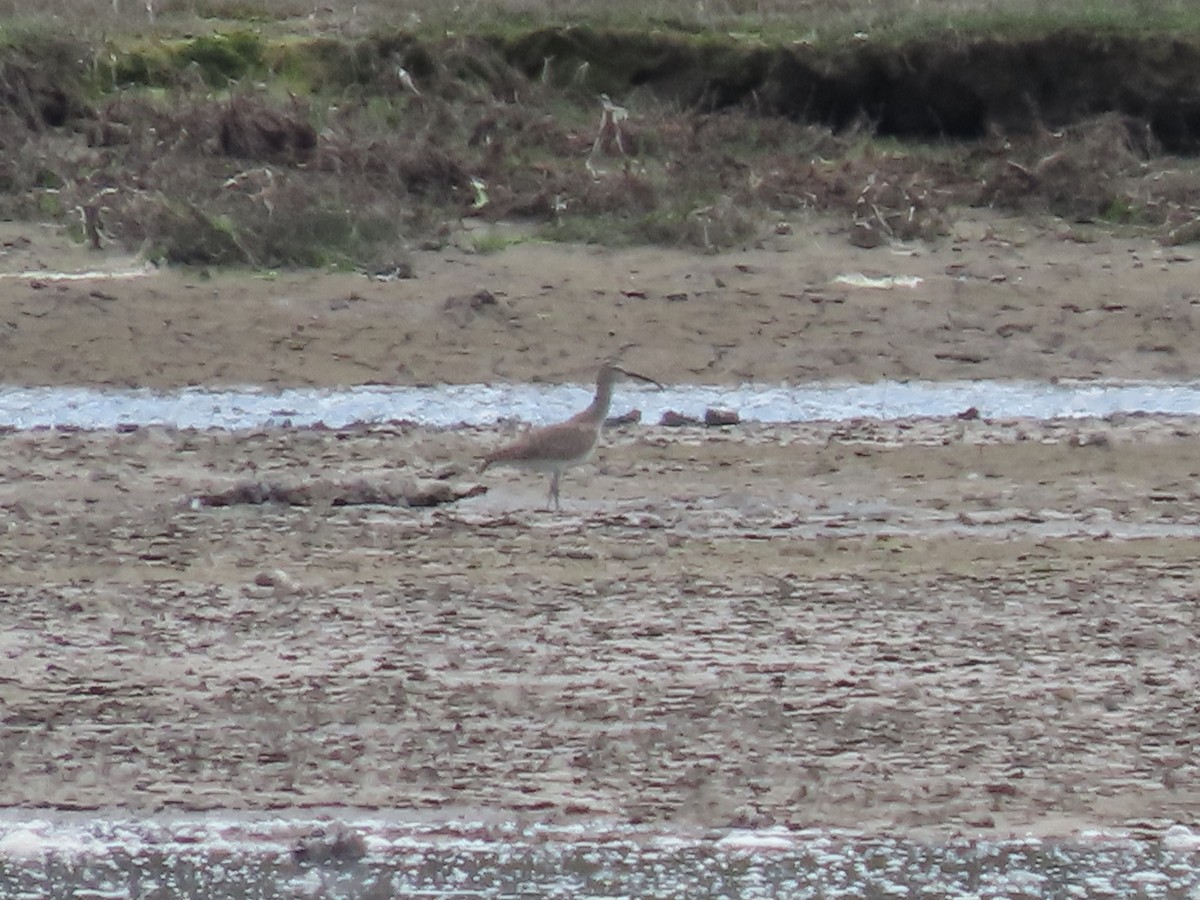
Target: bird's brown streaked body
556, 448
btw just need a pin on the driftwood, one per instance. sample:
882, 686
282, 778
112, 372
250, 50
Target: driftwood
410, 492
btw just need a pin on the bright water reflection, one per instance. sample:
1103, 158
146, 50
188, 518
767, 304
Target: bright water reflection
449, 405
215, 860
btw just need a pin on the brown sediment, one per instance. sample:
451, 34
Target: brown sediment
925, 626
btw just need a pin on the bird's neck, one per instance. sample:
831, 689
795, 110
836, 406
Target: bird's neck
598, 410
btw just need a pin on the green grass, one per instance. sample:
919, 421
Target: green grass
962, 20
495, 240
824, 22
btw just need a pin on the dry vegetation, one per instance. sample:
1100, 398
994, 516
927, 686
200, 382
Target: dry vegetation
304, 136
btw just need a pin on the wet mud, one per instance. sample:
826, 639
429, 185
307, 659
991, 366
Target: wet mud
923, 627
930, 626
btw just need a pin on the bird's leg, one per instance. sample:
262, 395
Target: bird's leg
554, 491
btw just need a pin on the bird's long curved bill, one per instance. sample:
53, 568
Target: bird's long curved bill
637, 377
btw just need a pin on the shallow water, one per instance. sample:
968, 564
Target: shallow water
450, 405
277, 857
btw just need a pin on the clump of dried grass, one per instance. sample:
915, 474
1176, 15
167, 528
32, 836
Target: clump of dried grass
245, 180
254, 131
1079, 172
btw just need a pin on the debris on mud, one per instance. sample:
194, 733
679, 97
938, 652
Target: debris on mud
335, 844
673, 419
716, 417
410, 491
462, 310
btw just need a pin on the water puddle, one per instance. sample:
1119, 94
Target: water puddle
116, 273
450, 405
883, 282
276, 857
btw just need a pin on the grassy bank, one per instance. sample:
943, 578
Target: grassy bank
815, 20
276, 134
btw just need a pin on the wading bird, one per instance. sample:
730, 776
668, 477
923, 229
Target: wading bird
556, 448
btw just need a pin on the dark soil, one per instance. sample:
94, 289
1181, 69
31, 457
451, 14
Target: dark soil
924, 90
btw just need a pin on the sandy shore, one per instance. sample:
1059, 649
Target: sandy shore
923, 626
1002, 300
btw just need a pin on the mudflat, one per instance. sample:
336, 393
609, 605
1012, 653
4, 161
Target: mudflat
925, 626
